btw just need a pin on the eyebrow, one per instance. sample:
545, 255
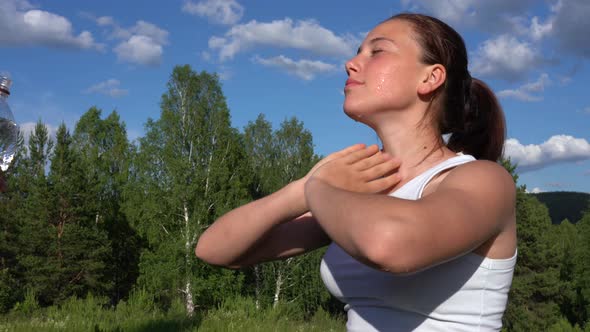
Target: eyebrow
377, 39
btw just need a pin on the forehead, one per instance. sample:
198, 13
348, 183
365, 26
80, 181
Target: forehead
398, 30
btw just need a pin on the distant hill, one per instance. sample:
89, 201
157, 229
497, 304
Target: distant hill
565, 204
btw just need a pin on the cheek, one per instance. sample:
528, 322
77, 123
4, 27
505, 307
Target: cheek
394, 82
385, 81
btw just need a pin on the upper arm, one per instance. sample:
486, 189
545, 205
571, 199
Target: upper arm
474, 203
292, 238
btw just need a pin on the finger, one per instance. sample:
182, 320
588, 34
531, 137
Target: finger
381, 170
374, 160
345, 151
355, 156
385, 184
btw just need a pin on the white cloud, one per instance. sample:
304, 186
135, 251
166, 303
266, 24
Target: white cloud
533, 28
524, 93
488, 16
564, 21
219, 11
447, 10
105, 21
535, 190
303, 35
116, 31
519, 94
538, 30
110, 87
558, 148
147, 29
23, 26
304, 69
141, 44
140, 49
505, 57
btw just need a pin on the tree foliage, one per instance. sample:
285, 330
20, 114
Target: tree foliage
277, 157
92, 215
188, 172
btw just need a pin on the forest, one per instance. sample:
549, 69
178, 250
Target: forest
97, 233
564, 204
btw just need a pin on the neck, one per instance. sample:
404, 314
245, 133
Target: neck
418, 147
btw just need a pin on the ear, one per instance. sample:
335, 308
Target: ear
434, 76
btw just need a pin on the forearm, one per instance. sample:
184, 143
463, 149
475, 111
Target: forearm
234, 234
364, 225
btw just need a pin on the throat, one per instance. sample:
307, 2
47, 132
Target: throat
415, 164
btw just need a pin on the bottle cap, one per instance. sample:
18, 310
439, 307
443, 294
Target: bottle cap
5, 83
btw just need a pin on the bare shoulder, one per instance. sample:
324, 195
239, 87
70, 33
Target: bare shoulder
484, 179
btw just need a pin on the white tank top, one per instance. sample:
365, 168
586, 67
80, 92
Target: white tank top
468, 293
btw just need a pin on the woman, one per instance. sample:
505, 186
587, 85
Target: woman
422, 233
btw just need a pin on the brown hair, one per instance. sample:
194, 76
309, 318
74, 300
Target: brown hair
466, 108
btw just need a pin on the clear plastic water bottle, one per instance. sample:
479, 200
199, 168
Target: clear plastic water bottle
8, 128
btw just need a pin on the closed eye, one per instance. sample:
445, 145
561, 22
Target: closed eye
375, 51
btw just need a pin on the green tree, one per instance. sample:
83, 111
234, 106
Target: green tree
277, 158
188, 171
532, 303
32, 214
9, 230
581, 271
563, 325
258, 141
105, 153
565, 240
80, 248
510, 167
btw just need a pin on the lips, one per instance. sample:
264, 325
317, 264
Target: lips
350, 82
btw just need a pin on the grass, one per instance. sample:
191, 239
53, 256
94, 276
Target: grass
139, 315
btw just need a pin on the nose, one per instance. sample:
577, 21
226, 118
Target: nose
351, 65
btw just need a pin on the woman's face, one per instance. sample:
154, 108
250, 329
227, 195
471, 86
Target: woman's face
385, 74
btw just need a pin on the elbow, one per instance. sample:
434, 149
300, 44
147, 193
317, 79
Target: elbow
204, 253
390, 253
201, 252
208, 254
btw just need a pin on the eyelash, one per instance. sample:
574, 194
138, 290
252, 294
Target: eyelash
373, 52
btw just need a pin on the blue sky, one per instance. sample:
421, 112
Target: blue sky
286, 58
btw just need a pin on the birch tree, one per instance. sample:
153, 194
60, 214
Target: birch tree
277, 158
188, 171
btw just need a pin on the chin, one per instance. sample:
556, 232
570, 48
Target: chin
354, 111
358, 117
353, 115
370, 119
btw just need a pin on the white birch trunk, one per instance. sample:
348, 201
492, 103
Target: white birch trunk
190, 306
257, 280
278, 286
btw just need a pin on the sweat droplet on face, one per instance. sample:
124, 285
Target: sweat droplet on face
381, 84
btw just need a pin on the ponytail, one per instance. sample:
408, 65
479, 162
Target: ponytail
480, 130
